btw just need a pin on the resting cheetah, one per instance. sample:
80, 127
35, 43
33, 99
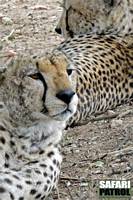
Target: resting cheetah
96, 16
30, 159
103, 74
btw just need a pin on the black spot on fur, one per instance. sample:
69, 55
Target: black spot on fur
50, 154
131, 84
16, 177
28, 182
43, 165
8, 181
12, 196
38, 196
2, 128
2, 140
6, 165
19, 186
41, 152
2, 190
51, 168
45, 174
21, 198
33, 191
7, 156
45, 188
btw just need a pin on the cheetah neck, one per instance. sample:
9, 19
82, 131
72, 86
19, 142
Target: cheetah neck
34, 140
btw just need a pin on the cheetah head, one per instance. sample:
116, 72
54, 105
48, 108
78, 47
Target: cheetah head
95, 16
60, 100
38, 86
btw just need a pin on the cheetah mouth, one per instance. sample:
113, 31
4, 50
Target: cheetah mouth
63, 113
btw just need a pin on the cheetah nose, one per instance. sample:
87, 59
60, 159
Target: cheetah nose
58, 30
65, 95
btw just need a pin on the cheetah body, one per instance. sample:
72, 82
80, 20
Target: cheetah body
103, 73
30, 158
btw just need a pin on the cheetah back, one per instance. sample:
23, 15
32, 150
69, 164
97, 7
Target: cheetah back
104, 70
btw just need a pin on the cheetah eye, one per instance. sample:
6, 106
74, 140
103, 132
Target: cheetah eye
35, 76
69, 71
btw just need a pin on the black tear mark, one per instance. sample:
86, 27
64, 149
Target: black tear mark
41, 78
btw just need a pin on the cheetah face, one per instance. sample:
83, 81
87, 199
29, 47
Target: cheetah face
59, 99
94, 16
44, 88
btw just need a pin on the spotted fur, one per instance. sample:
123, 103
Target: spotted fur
103, 75
30, 159
96, 17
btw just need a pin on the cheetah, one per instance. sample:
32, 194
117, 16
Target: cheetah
103, 73
36, 99
113, 17
103, 22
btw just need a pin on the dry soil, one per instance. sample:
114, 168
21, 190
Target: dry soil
101, 149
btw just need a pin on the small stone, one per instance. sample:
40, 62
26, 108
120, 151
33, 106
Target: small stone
99, 163
77, 151
116, 123
110, 112
68, 183
39, 7
7, 21
84, 184
18, 31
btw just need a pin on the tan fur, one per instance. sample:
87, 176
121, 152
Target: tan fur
96, 16
55, 70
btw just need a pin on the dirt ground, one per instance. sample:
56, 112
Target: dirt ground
101, 149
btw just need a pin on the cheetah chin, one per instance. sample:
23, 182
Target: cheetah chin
68, 111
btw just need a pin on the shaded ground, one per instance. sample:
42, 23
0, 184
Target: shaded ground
100, 149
